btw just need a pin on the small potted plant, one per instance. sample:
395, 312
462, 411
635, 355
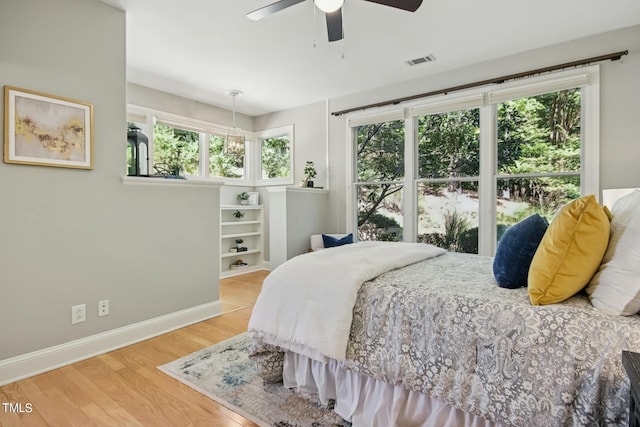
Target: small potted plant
238, 215
175, 160
310, 172
243, 198
239, 244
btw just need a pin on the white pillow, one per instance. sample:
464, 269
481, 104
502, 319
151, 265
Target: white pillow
615, 288
318, 244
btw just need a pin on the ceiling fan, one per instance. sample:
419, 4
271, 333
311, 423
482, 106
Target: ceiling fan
332, 10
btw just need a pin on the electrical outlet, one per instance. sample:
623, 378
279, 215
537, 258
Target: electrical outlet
78, 314
103, 307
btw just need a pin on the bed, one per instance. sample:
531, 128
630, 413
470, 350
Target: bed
436, 342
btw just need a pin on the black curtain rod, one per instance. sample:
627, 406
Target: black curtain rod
612, 56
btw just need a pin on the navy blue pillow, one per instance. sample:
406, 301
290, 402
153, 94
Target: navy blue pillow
516, 249
331, 242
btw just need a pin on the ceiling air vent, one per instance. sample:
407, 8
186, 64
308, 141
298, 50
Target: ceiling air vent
422, 60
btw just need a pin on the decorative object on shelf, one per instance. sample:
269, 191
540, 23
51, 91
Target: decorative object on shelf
234, 142
238, 215
138, 152
237, 264
243, 198
47, 130
310, 172
168, 170
254, 198
241, 238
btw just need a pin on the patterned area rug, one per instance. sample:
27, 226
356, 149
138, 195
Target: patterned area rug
225, 373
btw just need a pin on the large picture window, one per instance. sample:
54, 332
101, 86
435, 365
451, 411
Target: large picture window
539, 155
447, 184
380, 174
460, 171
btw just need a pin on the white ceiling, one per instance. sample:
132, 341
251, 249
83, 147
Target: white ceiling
200, 49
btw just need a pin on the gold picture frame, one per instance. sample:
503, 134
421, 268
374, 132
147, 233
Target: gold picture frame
47, 130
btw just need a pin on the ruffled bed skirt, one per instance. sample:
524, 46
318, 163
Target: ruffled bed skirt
365, 401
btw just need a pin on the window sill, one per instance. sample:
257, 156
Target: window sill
298, 190
168, 182
308, 190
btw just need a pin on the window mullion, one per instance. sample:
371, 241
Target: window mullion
151, 135
409, 196
203, 164
351, 203
590, 138
487, 183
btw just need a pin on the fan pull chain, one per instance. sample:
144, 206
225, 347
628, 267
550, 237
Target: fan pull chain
315, 25
343, 42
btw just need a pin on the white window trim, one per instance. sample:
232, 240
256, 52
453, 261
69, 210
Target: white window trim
447, 104
485, 98
272, 133
487, 191
390, 114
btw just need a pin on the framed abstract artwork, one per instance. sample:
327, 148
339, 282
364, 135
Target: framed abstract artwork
47, 130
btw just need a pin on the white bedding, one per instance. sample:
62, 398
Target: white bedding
291, 311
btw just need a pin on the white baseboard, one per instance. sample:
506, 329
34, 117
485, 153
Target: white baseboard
37, 362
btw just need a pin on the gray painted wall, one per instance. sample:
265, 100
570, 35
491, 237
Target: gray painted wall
74, 236
306, 215
294, 214
156, 100
142, 96
619, 109
310, 137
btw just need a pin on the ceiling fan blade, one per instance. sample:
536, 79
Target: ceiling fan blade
408, 5
265, 11
334, 25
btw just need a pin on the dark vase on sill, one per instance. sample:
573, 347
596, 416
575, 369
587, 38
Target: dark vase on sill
310, 184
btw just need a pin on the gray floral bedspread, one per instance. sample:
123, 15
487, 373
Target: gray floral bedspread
444, 328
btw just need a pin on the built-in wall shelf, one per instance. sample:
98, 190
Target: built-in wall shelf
232, 254
241, 222
236, 235
250, 230
241, 207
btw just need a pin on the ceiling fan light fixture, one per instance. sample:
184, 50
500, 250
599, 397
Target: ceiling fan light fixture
329, 6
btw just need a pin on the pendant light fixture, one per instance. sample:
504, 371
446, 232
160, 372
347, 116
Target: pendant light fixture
234, 142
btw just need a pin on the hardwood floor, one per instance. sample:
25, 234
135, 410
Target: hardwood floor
240, 291
124, 388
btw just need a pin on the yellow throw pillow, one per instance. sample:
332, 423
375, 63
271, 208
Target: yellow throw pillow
570, 252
